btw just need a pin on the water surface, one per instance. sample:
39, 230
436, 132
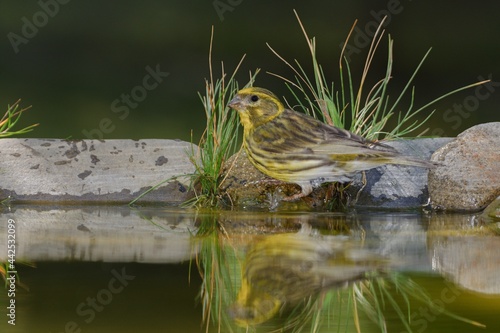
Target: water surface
117, 269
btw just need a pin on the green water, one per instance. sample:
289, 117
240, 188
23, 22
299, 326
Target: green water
74, 296
112, 269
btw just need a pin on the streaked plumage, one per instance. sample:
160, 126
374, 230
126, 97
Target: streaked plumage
297, 148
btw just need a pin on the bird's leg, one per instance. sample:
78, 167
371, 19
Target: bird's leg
306, 190
294, 197
364, 182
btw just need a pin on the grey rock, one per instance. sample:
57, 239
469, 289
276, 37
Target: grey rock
467, 178
397, 186
93, 171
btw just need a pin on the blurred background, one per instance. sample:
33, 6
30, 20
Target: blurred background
128, 69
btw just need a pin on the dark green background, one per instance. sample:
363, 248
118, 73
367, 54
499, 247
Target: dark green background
91, 52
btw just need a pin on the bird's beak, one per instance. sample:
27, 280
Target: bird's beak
235, 103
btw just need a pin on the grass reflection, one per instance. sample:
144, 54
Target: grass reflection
218, 266
301, 281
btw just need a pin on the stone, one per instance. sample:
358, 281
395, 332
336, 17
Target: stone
396, 186
468, 175
245, 186
93, 171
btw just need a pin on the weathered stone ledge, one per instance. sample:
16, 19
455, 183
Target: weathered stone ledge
93, 171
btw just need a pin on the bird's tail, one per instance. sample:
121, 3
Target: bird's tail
394, 157
410, 161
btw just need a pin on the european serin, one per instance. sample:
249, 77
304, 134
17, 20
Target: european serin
296, 148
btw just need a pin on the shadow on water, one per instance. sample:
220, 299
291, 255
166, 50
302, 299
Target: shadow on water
116, 269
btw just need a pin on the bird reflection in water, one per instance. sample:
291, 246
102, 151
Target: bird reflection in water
284, 271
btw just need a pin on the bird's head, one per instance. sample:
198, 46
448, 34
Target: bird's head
256, 106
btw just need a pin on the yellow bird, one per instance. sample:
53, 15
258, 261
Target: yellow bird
296, 148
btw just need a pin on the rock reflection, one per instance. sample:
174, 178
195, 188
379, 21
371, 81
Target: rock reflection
283, 271
99, 233
465, 249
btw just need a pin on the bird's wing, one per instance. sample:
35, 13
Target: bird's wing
300, 135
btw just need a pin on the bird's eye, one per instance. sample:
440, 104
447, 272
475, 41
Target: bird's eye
254, 98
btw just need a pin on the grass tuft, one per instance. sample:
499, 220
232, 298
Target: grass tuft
361, 110
10, 119
219, 140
